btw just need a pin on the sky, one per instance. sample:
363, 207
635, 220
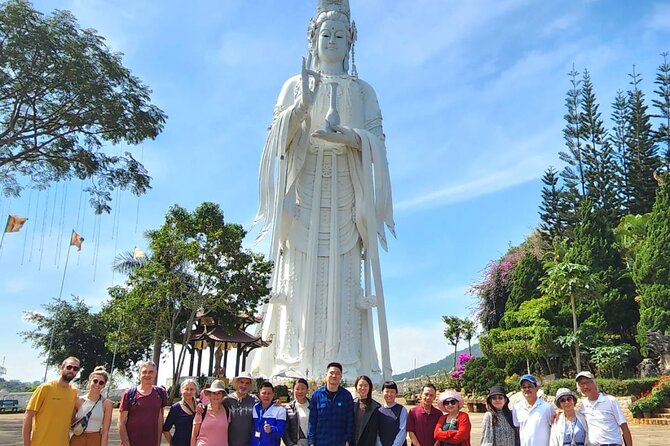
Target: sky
472, 94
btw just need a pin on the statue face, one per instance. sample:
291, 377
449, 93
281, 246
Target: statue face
332, 42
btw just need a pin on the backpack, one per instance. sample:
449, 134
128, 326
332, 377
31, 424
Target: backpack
132, 394
204, 411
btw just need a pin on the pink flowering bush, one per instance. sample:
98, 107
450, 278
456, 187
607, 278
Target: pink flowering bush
494, 287
463, 358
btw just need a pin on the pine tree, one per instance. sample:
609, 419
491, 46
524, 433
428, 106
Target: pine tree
573, 173
662, 135
599, 164
552, 208
594, 247
651, 269
619, 142
641, 155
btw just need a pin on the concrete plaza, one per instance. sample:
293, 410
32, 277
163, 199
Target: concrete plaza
10, 431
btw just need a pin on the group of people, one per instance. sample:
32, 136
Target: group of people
599, 421
331, 417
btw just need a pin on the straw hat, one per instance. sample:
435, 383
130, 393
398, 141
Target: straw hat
216, 386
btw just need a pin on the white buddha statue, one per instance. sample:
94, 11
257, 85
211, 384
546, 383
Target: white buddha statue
326, 193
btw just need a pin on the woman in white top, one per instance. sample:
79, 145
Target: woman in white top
97, 429
297, 415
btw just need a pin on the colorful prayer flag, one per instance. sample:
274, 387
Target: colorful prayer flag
138, 254
14, 223
76, 240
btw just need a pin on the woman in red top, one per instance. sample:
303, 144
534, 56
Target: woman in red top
453, 428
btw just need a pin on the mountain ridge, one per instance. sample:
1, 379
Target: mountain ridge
445, 363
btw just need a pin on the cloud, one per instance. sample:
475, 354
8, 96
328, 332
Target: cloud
659, 18
421, 343
437, 27
111, 20
16, 285
496, 179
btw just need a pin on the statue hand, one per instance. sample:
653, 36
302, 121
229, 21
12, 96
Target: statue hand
307, 95
338, 135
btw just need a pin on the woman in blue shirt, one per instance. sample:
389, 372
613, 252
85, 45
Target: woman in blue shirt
181, 415
570, 429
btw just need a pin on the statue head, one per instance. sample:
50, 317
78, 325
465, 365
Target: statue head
332, 17
333, 5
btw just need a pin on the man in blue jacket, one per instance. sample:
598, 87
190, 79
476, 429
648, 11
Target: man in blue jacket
331, 415
269, 419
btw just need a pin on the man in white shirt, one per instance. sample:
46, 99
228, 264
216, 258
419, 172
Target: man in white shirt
607, 423
533, 416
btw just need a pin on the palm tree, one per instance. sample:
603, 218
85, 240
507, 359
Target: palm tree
469, 330
453, 332
129, 261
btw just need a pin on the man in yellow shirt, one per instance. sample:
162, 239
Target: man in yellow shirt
50, 409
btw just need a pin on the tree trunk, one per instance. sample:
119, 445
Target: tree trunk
156, 356
470, 346
176, 373
455, 349
578, 362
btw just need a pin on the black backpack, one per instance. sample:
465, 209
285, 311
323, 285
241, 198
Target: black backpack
132, 394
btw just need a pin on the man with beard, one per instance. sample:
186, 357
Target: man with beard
50, 409
240, 405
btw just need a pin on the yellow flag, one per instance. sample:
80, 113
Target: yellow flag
138, 254
76, 240
14, 223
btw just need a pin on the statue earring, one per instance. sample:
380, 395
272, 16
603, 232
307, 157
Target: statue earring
354, 72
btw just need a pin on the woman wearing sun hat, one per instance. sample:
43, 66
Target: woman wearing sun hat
210, 428
497, 426
570, 428
453, 428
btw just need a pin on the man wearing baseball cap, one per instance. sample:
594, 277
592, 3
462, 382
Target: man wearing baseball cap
607, 423
533, 416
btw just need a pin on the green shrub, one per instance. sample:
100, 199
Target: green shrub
281, 390
480, 374
550, 388
616, 387
512, 382
626, 387
649, 404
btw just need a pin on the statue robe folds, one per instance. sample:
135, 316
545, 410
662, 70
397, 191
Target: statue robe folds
328, 204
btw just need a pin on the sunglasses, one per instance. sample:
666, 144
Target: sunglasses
72, 367
450, 402
497, 397
100, 382
565, 399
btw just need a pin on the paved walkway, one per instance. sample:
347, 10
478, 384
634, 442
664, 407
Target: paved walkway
10, 432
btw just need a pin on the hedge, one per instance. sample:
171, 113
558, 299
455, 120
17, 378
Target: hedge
615, 387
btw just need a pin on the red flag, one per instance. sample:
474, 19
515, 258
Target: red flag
76, 240
14, 223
